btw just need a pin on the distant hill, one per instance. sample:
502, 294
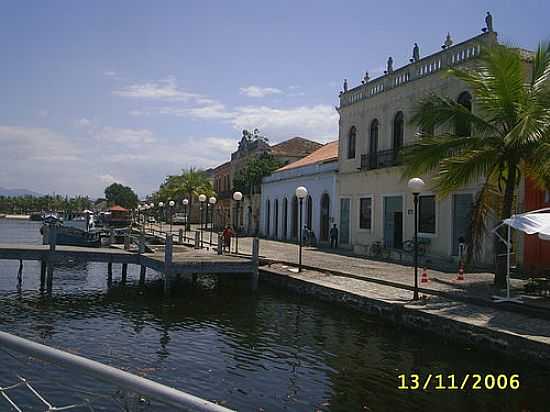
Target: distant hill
17, 192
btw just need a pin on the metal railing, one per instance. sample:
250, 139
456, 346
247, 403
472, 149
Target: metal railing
161, 393
380, 159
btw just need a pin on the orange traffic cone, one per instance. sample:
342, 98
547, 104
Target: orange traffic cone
460, 271
424, 277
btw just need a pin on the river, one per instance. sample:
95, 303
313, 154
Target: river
264, 350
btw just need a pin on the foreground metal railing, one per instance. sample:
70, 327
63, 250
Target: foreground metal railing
144, 387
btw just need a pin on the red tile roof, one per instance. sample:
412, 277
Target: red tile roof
295, 147
326, 153
117, 208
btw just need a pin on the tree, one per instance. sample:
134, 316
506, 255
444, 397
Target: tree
121, 195
507, 136
249, 179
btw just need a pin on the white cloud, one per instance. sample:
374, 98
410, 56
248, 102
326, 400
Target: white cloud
125, 136
257, 91
108, 179
165, 89
317, 122
83, 122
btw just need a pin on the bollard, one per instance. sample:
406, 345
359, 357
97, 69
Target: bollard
52, 240
197, 239
180, 237
52, 237
220, 244
127, 241
168, 255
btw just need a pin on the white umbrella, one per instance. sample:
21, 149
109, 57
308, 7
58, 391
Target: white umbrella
534, 222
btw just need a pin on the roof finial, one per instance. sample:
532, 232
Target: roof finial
448, 41
390, 65
345, 85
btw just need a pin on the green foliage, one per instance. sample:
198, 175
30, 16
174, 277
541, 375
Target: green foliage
121, 195
27, 204
510, 133
249, 179
189, 184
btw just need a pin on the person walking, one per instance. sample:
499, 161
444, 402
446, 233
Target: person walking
333, 237
226, 236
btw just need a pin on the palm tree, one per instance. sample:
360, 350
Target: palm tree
506, 138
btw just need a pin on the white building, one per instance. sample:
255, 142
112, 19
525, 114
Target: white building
279, 206
374, 203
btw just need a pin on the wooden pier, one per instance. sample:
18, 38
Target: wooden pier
171, 261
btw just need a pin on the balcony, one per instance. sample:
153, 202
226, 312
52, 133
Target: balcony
380, 160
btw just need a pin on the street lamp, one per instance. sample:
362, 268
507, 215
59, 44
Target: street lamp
152, 206
202, 199
185, 203
237, 197
416, 185
301, 194
212, 202
161, 205
171, 203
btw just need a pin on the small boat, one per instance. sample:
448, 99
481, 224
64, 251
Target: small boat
76, 229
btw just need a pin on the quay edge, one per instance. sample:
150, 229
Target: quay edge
507, 344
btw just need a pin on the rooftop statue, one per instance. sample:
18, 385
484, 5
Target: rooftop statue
448, 41
416, 53
366, 78
345, 85
489, 22
390, 65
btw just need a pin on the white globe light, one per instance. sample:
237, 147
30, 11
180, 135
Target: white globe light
171, 203
152, 205
212, 200
139, 207
161, 204
185, 202
301, 192
416, 185
202, 198
237, 196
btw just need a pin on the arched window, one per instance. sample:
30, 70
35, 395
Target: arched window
309, 211
276, 218
398, 126
267, 218
294, 226
285, 218
464, 128
351, 142
373, 145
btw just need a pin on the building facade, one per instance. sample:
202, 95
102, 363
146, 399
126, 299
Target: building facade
280, 208
374, 203
536, 252
222, 187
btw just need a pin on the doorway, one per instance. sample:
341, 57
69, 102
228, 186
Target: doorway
345, 206
325, 218
462, 209
393, 222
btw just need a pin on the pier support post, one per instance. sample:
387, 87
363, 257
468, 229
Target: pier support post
142, 275
20, 274
52, 240
255, 261
197, 239
42, 274
109, 273
124, 272
180, 236
168, 255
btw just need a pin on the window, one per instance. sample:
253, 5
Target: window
397, 132
463, 128
547, 196
373, 145
426, 214
365, 213
351, 142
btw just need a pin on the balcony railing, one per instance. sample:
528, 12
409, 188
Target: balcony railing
380, 159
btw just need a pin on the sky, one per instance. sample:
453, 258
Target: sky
131, 91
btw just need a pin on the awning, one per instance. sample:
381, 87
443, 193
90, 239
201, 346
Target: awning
532, 223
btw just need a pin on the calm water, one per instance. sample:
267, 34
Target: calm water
266, 350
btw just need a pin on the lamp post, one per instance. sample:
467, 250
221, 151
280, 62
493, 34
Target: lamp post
237, 197
202, 199
415, 186
301, 194
185, 203
171, 203
161, 206
212, 202
152, 206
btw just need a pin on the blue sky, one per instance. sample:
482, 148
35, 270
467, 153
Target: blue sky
129, 91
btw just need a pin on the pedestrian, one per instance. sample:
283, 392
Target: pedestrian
333, 237
226, 237
305, 236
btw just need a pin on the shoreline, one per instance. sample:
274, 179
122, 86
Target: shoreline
15, 217
462, 322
